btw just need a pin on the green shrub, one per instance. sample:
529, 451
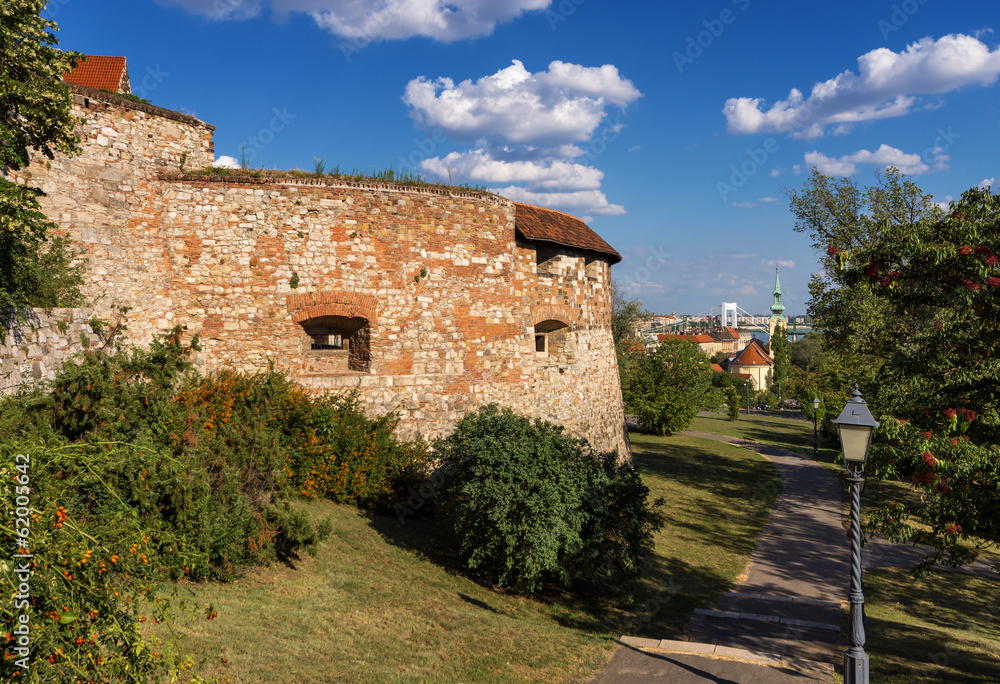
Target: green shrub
669, 386
532, 505
94, 566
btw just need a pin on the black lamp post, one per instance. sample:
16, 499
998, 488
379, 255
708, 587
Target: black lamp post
856, 425
815, 427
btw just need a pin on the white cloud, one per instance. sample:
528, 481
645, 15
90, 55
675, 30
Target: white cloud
373, 20
226, 162
564, 104
768, 199
887, 84
479, 166
883, 157
782, 263
744, 205
635, 148
592, 201
987, 183
775, 172
528, 129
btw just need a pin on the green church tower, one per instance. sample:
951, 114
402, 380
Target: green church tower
777, 308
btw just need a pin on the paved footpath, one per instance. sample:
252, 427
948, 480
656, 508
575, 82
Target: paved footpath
781, 621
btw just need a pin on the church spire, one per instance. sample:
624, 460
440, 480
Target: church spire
777, 308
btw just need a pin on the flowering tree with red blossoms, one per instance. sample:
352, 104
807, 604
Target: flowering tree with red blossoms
927, 353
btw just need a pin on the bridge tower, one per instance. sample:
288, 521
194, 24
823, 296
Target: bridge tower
726, 308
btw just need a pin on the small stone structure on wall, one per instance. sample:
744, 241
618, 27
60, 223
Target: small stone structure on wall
431, 301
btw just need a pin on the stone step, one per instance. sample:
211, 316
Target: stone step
781, 607
789, 641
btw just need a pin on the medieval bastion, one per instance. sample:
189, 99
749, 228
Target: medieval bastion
432, 301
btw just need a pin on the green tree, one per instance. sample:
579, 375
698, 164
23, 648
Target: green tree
926, 291
780, 352
626, 314
841, 217
669, 386
733, 400
808, 353
35, 114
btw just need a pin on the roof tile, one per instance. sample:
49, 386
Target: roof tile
101, 73
549, 225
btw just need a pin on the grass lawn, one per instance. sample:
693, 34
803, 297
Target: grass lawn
797, 436
388, 602
944, 628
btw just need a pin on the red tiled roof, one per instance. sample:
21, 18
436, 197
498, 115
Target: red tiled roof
100, 73
549, 225
717, 368
752, 355
745, 376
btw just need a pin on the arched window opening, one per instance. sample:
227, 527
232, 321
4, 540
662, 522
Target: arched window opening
554, 341
344, 343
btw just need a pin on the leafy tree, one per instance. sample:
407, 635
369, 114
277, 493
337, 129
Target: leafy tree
625, 314
808, 353
35, 114
928, 291
779, 347
669, 386
840, 217
733, 400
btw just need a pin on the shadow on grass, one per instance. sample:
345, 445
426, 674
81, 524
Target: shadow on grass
660, 602
943, 628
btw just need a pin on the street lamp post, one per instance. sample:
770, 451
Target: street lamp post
856, 425
815, 427
746, 386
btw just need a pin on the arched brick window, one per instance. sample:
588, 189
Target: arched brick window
346, 338
553, 340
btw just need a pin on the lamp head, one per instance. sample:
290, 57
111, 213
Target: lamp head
856, 425
816, 403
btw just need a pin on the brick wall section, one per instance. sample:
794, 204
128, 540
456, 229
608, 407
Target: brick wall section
450, 294
36, 350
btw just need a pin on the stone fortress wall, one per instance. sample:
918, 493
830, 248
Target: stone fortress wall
430, 301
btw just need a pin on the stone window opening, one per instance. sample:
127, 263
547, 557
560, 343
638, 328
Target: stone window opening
340, 343
554, 341
592, 267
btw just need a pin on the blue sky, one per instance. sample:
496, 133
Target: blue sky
673, 130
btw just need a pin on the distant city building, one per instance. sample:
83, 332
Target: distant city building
754, 364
